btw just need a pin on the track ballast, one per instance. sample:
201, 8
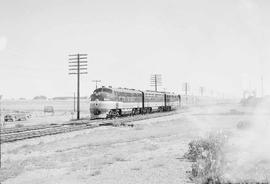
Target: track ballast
34, 131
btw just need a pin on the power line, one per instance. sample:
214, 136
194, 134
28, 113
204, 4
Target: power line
77, 61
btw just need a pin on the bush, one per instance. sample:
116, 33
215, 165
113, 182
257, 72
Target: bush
207, 157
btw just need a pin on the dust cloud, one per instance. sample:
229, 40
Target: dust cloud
235, 151
247, 152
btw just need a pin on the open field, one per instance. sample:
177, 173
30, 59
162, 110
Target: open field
63, 111
38, 105
149, 152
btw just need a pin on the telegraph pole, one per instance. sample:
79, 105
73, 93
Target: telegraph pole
201, 90
186, 89
78, 66
74, 102
96, 81
262, 86
0, 133
155, 81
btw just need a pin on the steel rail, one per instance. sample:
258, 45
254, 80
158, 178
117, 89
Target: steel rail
52, 129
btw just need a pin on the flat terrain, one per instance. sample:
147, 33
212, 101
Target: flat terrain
149, 152
63, 111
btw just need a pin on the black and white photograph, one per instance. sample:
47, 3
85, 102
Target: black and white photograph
134, 91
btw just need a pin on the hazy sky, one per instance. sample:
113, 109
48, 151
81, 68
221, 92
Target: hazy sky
222, 45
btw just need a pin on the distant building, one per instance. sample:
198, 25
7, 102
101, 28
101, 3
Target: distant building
40, 98
67, 98
48, 109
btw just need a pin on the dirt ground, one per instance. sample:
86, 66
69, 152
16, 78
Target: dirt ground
149, 152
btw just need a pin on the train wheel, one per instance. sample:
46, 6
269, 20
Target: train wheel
113, 114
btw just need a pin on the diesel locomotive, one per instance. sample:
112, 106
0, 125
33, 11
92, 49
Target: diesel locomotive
108, 102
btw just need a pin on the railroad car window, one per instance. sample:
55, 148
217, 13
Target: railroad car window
94, 97
98, 90
103, 90
107, 90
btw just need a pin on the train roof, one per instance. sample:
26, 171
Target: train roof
127, 90
124, 90
160, 92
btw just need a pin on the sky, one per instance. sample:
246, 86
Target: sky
222, 45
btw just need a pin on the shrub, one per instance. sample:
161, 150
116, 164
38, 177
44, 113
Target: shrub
207, 157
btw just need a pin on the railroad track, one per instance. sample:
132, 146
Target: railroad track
27, 128
42, 132
39, 127
34, 131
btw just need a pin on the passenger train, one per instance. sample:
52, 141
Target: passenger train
108, 102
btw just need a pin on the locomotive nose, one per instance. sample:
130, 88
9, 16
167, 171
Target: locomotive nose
96, 102
96, 112
96, 109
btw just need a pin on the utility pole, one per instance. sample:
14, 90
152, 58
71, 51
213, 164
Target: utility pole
96, 81
262, 69
0, 132
155, 81
262, 86
78, 66
201, 90
74, 103
186, 89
